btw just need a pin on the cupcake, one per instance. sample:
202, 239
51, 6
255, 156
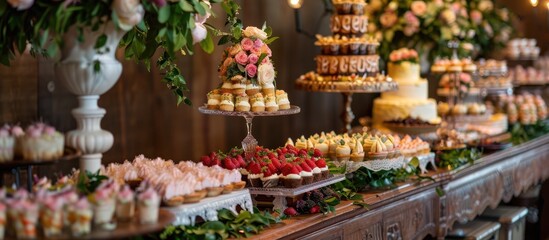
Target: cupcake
306, 174
227, 87
391, 153
227, 102
255, 174
343, 151
242, 103
459, 109
378, 151
332, 148
42, 142
357, 153
80, 218
282, 100
214, 98
104, 203
7, 144
322, 146
325, 172
148, 203
270, 103
268, 88
291, 177
443, 109
238, 87
258, 103
51, 216
368, 142
125, 204
301, 143
251, 88
269, 180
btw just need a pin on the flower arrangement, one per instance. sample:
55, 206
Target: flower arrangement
480, 26
171, 26
249, 58
404, 55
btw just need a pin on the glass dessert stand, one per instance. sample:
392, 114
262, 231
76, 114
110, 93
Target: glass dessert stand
249, 143
280, 193
347, 89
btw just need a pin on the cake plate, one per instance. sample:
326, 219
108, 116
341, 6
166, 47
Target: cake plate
249, 143
347, 89
280, 194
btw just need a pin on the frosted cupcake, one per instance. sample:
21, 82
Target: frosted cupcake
42, 142
322, 146
80, 218
291, 177
378, 150
125, 205
270, 103
148, 203
227, 87
252, 88
357, 153
227, 102
268, 88
282, 100
242, 103
7, 144
270, 180
239, 87
104, 203
51, 216
258, 103
343, 151
214, 98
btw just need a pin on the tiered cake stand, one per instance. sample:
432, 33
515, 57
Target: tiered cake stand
347, 89
249, 143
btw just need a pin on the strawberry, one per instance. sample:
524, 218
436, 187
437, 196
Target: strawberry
302, 153
286, 169
271, 155
206, 160
276, 163
241, 161
298, 160
254, 168
235, 162
311, 163
317, 153
216, 161
213, 155
272, 168
290, 211
267, 173
228, 164
315, 209
295, 169
305, 167
321, 163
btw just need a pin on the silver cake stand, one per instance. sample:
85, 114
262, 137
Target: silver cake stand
249, 143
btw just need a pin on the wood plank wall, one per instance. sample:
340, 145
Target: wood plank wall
141, 112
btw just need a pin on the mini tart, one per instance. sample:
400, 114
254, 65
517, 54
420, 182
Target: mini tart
214, 191
174, 201
227, 188
195, 197
239, 185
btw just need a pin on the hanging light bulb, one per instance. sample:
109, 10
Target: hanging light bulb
297, 3
547, 5
534, 3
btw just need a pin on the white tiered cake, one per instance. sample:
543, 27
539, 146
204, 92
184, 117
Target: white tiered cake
411, 99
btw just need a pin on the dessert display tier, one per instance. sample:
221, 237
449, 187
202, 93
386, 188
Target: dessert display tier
377, 165
345, 86
292, 110
207, 208
280, 194
411, 129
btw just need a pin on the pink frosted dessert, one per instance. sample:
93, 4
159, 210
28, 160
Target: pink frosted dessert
104, 203
51, 216
148, 205
42, 142
80, 217
125, 207
25, 218
7, 144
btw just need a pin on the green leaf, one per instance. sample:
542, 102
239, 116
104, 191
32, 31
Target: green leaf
164, 14
214, 226
268, 31
243, 216
199, 8
270, 40
207, 44
186, 6
224, 39
225, 214
101, 41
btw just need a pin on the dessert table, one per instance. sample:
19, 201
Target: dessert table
414, 210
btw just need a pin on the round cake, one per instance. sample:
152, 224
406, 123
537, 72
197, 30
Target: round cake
411, 99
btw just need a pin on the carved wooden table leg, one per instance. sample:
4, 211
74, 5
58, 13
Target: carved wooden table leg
347, 116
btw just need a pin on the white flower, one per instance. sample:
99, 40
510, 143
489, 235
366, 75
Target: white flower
202, 18
129, 12
471, 33
253, 32
393, 5
265, 73
448, 16
485, 5
199, 33
21, 4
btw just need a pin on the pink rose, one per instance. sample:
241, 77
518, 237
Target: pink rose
258, 43
266, 60
405, 55
241, 58
413, 53
419, 8
247, 44
21, 4
476, 16
411, 19
253, 58
388, 19
265, 49
251, 69
456, 7
410, 30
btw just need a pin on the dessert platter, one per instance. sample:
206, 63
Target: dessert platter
348, 62
412, 126
247, 86
494, 77
522, 48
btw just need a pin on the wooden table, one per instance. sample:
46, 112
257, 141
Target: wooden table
414, 210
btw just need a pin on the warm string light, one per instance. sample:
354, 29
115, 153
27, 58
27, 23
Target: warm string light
534, 3
547, 5
297, 3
